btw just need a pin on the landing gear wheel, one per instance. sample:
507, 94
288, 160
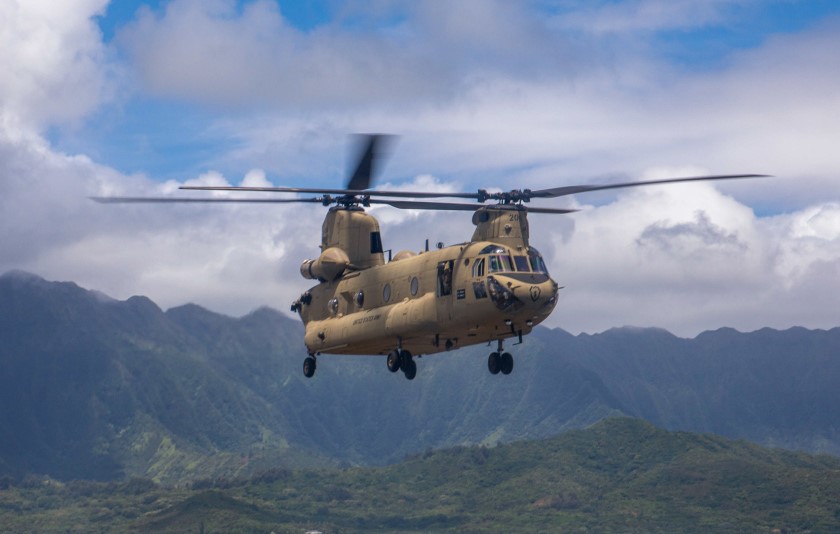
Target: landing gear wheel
407, 364
309, 367
506, 363
410, 370
494, 363
394, 360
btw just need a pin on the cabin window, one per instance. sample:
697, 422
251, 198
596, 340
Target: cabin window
375, 243
360, 298
415, 286
386, 292
332, 305
444, 272
521, 264
478, 268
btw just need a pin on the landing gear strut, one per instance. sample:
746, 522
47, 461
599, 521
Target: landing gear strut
309, 366
401, 359
500, 361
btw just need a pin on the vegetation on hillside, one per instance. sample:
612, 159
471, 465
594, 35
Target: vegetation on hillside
620, 475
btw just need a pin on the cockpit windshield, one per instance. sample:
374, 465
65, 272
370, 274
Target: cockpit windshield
500, 263
499, 260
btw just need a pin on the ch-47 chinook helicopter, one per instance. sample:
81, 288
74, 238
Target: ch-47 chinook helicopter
491, 288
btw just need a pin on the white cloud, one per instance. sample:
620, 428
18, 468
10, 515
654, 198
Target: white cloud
506, 103
52, 59
644, 15
687, 256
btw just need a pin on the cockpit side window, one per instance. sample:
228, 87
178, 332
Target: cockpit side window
537, 263
478, 268
375, 243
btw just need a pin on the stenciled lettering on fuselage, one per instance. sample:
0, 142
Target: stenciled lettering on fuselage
368, 319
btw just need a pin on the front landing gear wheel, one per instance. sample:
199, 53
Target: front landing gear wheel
506, 362
494, 363
394, 361
309, 367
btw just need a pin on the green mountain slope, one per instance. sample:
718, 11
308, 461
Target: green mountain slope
621, 475
779, 388
96, 388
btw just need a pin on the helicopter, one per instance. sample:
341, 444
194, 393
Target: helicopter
489, 289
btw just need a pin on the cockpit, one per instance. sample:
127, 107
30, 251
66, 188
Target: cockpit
497, 259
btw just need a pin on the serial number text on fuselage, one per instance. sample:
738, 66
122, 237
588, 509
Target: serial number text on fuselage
369, 318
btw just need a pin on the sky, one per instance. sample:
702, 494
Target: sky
140, 97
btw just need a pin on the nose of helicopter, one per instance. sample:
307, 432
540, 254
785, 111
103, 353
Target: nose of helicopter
530, 297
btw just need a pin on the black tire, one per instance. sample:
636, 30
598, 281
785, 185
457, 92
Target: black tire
410, 370
506, 363
404, 357
394, 361
309, 366
494, 363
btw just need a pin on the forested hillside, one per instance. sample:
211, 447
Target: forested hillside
96, 388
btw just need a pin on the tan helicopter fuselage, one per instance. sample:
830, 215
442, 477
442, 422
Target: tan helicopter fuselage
491, 288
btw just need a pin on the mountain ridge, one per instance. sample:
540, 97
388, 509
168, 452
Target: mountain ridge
103, 388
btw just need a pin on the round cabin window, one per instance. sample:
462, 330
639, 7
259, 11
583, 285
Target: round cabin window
386, 292
415, 286
360, 298
332, 305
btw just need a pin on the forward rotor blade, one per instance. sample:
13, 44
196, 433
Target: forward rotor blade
451, 206
420, 205
168, 200
573, 189
531, 209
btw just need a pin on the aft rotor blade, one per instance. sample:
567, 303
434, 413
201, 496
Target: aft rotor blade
373, 150
573, 189
168, 200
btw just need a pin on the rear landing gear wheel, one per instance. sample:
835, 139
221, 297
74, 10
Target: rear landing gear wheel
506, 363
410, 371
494, 363
408, 365
394, 361
309, 367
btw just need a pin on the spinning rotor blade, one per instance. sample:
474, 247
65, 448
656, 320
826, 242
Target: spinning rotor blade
549, 210
168, 200
351, 192
573, 189
372, 150
451, 206
420, 205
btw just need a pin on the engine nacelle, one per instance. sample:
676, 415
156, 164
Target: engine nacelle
329, 265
